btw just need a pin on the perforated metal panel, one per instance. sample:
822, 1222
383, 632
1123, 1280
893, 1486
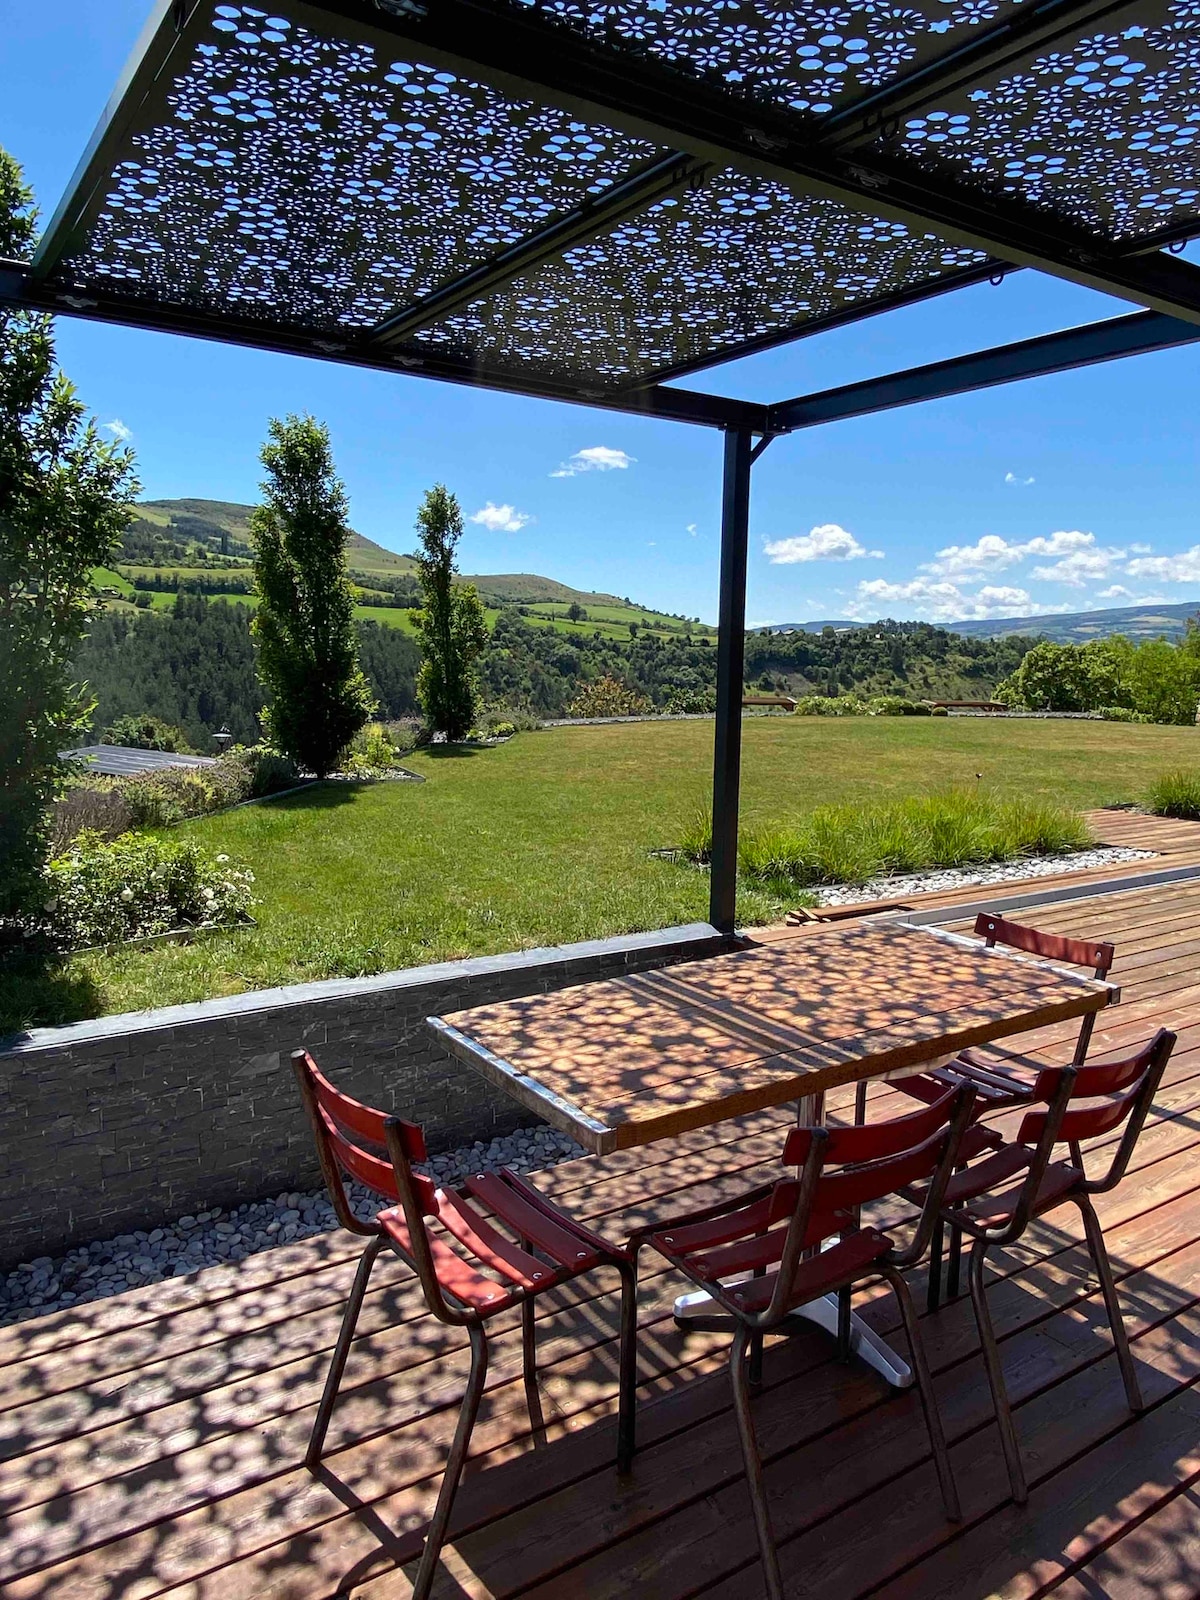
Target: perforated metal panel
702, 272
812, 56
1103, 132
317, 182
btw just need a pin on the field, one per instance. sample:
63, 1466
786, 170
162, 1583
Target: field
546, 839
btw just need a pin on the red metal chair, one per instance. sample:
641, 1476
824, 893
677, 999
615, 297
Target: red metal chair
774, 1234
466, 1286
996, 1199
1001, 1076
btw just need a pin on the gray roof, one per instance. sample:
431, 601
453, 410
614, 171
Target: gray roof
117, 761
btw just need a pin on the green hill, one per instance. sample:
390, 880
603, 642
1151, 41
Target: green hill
191, 543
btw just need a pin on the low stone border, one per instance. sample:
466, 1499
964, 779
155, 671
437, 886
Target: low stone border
208, 1237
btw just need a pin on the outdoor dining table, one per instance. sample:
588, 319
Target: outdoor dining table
626, 1061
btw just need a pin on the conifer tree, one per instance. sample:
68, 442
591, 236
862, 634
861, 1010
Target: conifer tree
304, 624
451, 625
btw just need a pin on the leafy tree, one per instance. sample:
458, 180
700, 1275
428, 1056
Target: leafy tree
450, 625
304, 625
576, 612
145, 732
608, 697
65, 499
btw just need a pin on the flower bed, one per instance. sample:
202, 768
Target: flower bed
137, 886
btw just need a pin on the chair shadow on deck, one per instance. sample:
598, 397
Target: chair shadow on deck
849, 1476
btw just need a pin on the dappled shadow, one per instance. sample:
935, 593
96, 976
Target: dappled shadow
320, 796
453, 752
39, 989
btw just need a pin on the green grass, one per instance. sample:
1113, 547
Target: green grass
851, 843
547, 839
1176, 794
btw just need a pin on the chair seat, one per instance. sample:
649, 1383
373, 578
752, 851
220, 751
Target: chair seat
821, 1274
567, 1247
994, 1210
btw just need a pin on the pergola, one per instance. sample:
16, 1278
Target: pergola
588, 200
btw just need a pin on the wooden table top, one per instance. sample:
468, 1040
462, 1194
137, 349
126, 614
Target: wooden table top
629, 1060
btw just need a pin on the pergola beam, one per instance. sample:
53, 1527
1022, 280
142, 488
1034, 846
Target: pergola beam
1028, 358
1031, 28
20, 291
532, 58
585, 222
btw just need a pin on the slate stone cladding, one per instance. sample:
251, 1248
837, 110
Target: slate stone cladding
128, 1121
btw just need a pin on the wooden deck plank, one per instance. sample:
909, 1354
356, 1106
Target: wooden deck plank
189, 1488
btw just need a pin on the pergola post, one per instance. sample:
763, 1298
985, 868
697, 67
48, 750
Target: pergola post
731, 651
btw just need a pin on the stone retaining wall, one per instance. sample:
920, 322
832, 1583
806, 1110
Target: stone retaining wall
128, 1121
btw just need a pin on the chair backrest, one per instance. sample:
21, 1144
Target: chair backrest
872, 1161
356, 1141
1098, 955
1116, 1092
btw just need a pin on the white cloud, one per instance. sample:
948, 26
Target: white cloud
1077, 556
1021, 483
596, 458
1183, 568
828, 542
691, 528
941, 600
1115, 591
500, 519
1080, 567
118, 430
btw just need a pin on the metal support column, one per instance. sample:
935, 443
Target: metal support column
731, 650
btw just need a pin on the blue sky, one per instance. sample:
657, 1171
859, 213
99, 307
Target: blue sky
1062, 494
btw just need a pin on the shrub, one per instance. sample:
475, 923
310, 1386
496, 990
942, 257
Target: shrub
99, 809
1176, 794
145, 733
1122, 714
682, 702
502, 730
608, 697
849, 844
371, 752
895, 705
109, 807
102, 892
938, 711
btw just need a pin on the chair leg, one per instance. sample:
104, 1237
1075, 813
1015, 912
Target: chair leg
754, 1371
1099, 1253
995, 1373
337, 1366
844, 1324
860, 1103
754, 1476
627, 1407
533, 1399
455, 1462
933, 1290
954, 1263
933, 1417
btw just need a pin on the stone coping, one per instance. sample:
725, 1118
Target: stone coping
701, 935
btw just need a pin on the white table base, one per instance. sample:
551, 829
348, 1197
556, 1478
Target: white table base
864, 1341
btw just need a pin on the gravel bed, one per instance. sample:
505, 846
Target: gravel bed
937, 882
132, 1260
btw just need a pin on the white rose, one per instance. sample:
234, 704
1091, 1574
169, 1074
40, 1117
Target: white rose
222, 858
127, 895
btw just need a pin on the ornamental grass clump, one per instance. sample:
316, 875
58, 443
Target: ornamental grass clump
851, 844
1176, 794
129, 888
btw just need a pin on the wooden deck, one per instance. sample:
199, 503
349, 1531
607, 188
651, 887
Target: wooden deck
150, 1442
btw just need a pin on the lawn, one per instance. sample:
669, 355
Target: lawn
546, 839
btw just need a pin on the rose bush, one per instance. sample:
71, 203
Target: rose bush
102, 892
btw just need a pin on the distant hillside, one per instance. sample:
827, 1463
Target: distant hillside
1066, 627
1077, 627
202, 544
